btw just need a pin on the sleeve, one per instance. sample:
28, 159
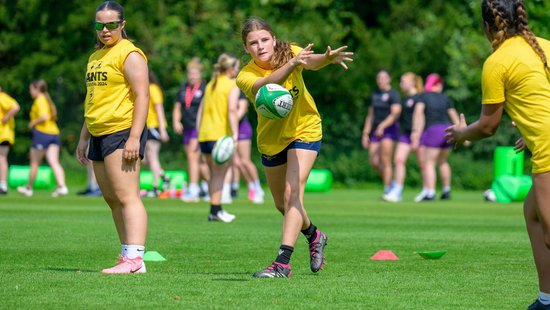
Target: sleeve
450, 103
492, 82
156, 94
245, 81
43, 107
394, 97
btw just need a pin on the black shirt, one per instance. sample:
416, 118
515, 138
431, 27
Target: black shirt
407, 110
436, 108
189, 112
381, 103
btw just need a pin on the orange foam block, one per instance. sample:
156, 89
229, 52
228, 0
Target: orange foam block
384, 255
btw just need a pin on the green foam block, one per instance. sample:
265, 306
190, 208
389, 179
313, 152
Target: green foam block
153, 256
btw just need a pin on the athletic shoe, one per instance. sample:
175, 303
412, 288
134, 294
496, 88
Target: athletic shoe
84, 192
445, 195
3, 191
316, 249
206, 198
276, 270
127, 265
251, 193
25, 191
392, 196
188, 197
234, 193
537, 305
423, 196
60, 191
221, 216
258, 197
94, 193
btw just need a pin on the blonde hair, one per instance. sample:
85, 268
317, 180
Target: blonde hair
225, 62
282, 52
42, 86
194, 64
418, 82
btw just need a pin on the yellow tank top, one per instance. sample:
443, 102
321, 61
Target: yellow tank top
514, 74
215, 120
303, 122
7, 130
109, 104
155, 97
41, 107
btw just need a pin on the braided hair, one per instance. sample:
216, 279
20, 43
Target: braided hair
508, 18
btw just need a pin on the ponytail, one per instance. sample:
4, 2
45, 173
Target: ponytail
225, 62
42, 86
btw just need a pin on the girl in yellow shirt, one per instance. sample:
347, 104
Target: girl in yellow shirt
516, 79
217, 117
8, 108
289, 146
45, 139
115, 112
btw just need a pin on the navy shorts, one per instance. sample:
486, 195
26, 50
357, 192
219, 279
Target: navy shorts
207, 146
281, 157
5, 143
103, 146
41, 141
153, 134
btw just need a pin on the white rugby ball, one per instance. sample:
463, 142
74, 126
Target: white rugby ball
273, 101
223, 150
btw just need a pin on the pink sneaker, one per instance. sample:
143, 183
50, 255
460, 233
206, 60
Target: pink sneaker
251, 193
127, 265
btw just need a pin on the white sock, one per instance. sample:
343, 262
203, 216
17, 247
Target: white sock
235, 186
226, 191
398, 188
193, 189
204, 186
251, 185
258, 185
124, 250
446, 189
544, 298
430, 193
3, 186
134, 251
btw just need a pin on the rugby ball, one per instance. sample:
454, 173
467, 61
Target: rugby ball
223, 150
273, 101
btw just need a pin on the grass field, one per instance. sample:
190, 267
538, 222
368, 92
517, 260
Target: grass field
53, 249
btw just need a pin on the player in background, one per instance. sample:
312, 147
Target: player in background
216, 118
411, 86
381, 128
184, 121
157, 134
288, 156
115, 114
46, 141
432, 115
516, 79
8, 109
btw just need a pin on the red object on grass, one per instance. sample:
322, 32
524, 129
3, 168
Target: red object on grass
384, 255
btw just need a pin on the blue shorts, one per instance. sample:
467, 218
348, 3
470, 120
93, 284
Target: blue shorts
153, 134
207, 146
281, 157
103, 146
41, 141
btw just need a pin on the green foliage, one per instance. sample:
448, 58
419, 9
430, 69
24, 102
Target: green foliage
44, 39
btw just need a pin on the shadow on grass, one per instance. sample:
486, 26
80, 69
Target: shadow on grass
60, 269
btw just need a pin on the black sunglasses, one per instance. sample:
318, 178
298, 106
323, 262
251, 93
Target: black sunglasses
110, 26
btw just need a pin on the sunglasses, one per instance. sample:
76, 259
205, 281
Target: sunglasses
110, 26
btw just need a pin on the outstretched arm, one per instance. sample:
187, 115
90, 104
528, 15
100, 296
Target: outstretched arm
486, 126
337, 56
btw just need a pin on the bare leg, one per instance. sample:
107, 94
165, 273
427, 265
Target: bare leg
52, 156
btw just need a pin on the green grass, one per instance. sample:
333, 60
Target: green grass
53, 249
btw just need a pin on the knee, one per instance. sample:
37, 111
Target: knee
111, 200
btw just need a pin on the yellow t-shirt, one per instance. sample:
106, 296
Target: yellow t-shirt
215, 119
155, 97
41, 107
109, 104
7, 130
514, 74
302, 123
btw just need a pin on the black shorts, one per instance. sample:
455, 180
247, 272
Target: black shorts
5, 143
207, 146
102, 146
153, 134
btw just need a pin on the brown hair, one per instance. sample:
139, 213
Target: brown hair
282, 52
508, 18
225, 62
111, 6
42, 86
418, 83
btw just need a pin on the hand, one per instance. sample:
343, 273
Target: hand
178, 128
81, 152
365, 140
302, 56
379, 132
131, 149
164, 135
520, 145
338, 56
455, 133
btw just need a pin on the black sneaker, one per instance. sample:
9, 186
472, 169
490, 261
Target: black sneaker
316, 248
3, 192
234, 193
537, 305
85, 191
276, 270
445, 195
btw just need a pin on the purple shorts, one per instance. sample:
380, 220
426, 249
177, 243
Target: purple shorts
434, 136
188, 134
391, 132
405, 138
245, 130
42, 141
